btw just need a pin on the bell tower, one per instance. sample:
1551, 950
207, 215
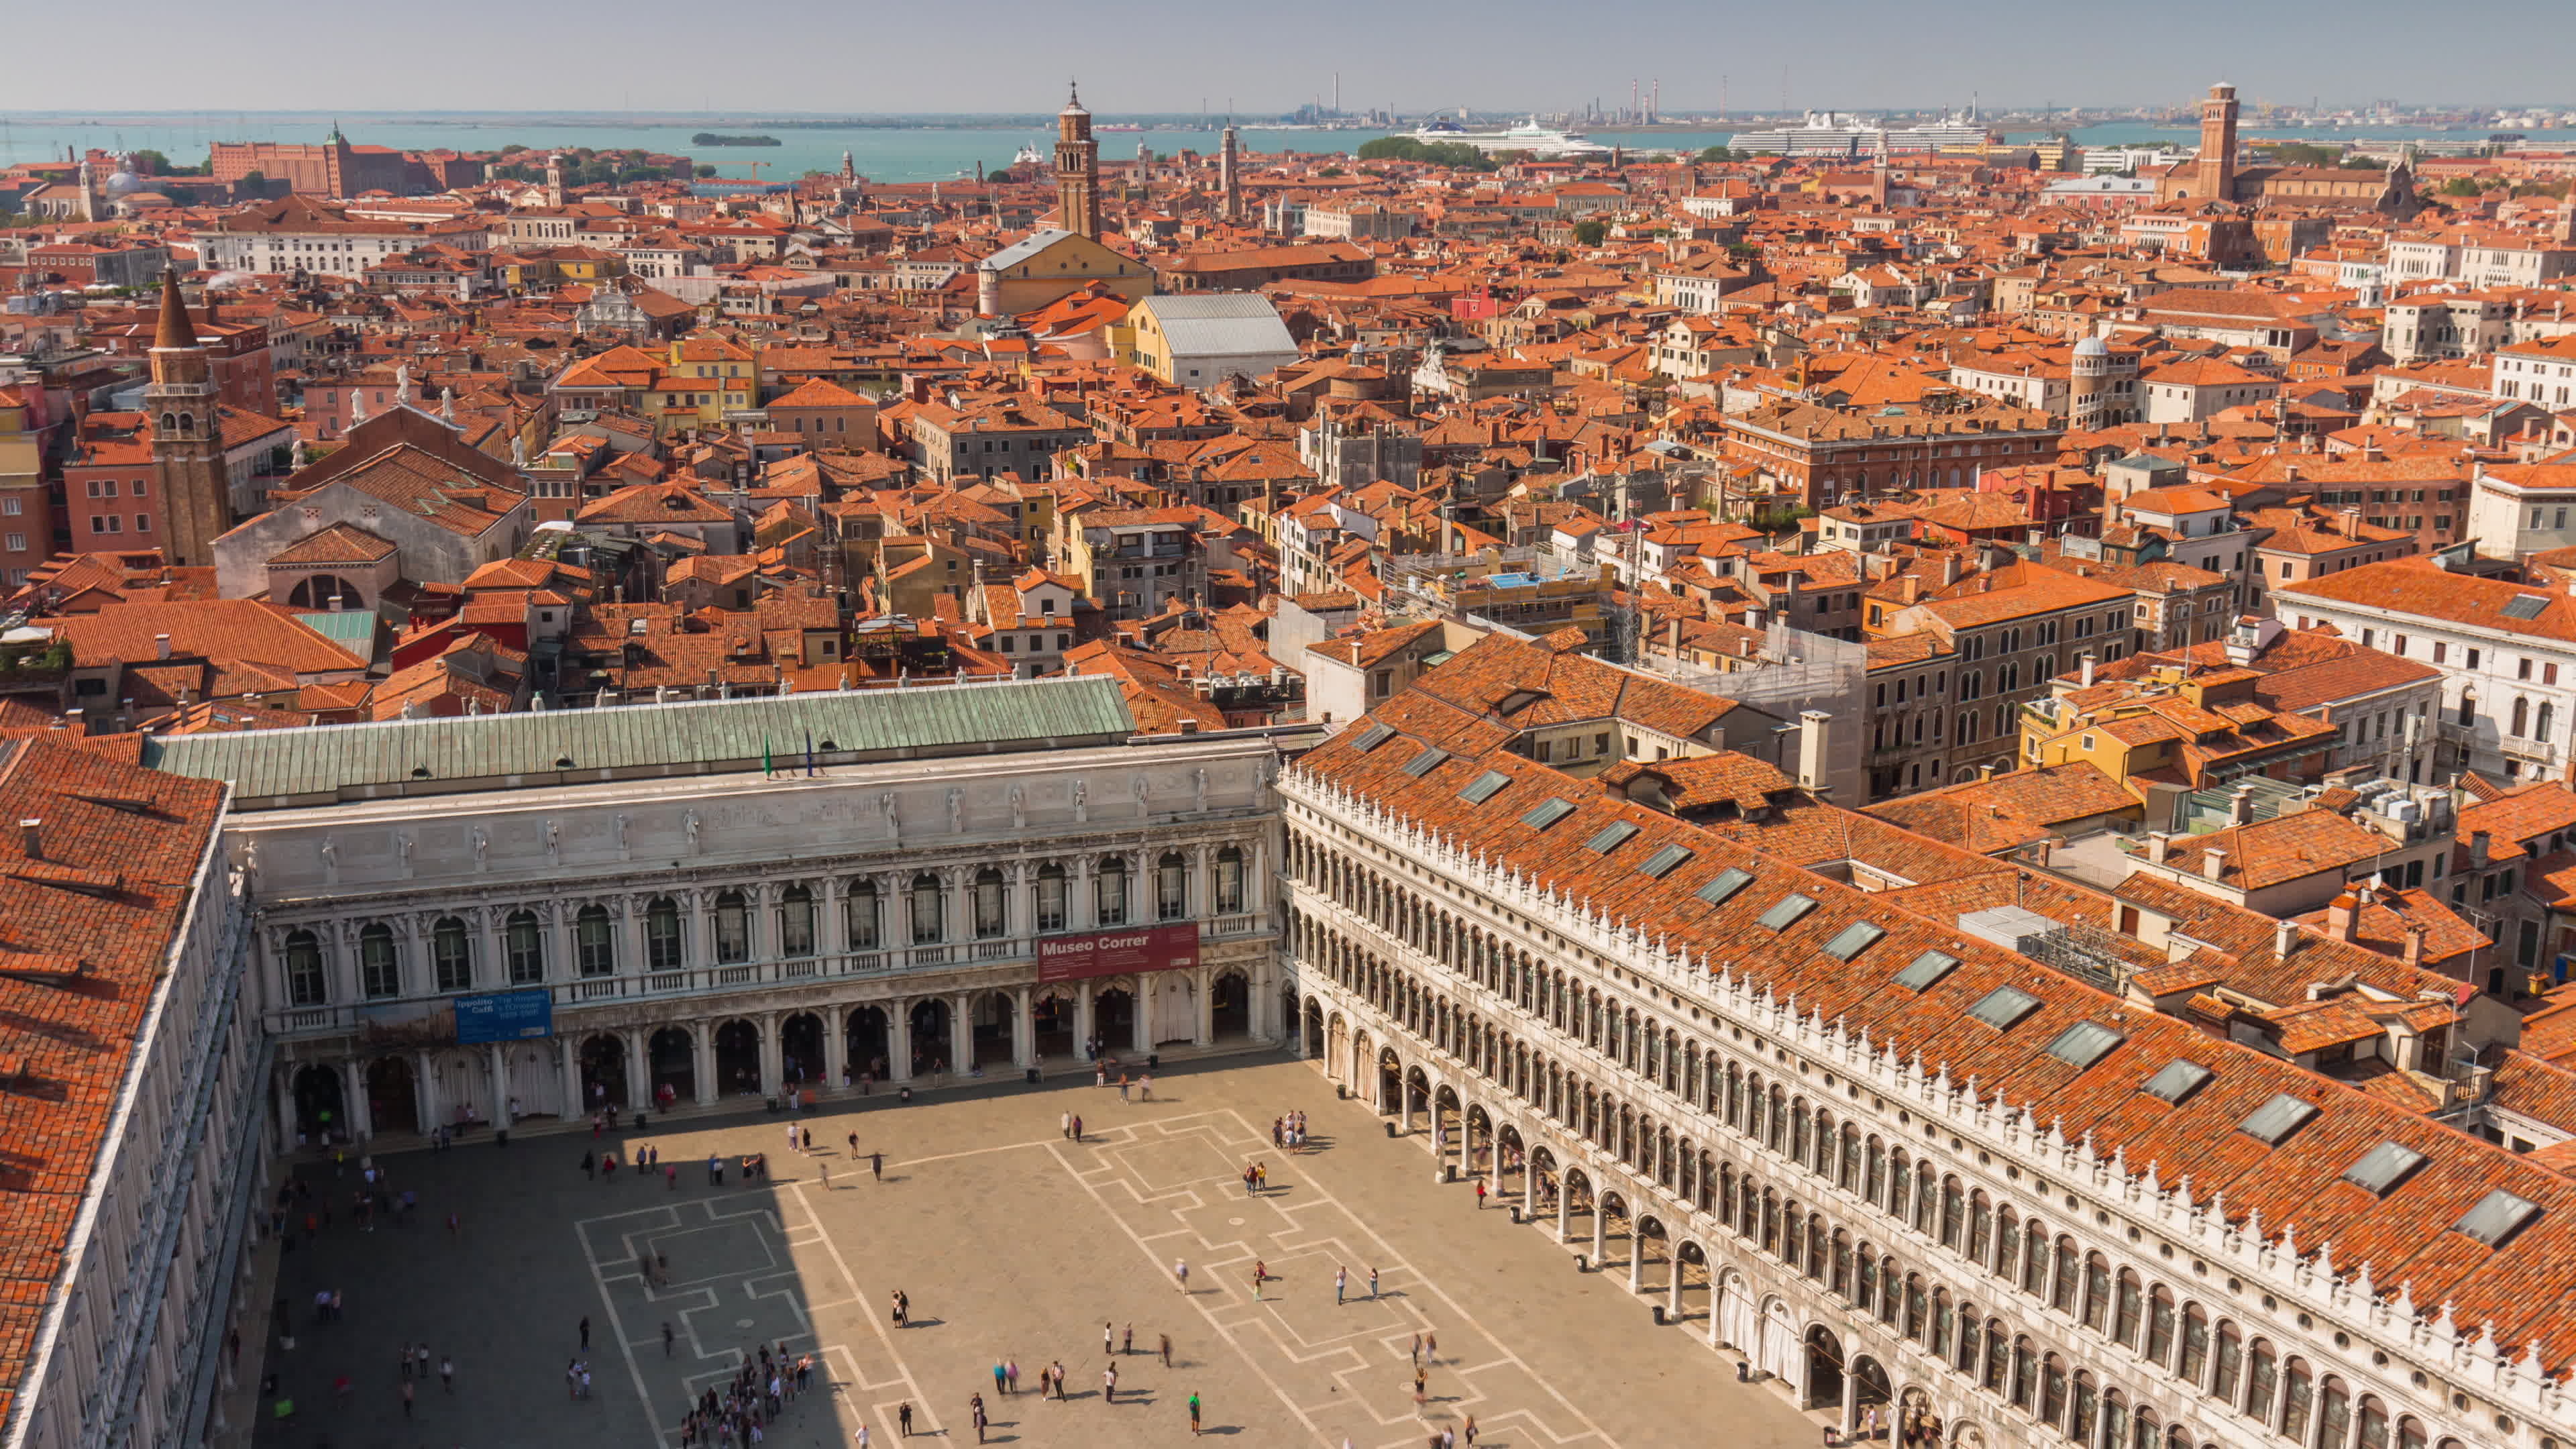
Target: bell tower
187, 435
1229, 172
1077, 171
2217, 166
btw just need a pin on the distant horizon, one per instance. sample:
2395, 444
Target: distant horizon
1148, 58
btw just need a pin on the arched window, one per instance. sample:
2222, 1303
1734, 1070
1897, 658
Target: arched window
2334, 1412
2468, 707
1049, 898
379, 972
1229, 880
2298, 1400
733, 928
2541, 721
991, 916
796, 921
2128, 1310
2262, 1381
2521, 717
863, 916
2195, 1343
594, 942
663, 950
1110, 891
451, 955
2228, 1363
306, 983
2097, 1291
929, 910
524, 946
1171, 887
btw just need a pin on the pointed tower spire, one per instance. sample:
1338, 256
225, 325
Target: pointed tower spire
175, 330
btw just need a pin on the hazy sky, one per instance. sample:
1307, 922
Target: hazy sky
859, 56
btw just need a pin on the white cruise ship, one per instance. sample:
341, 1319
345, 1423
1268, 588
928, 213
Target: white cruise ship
1540, 141
1838, 133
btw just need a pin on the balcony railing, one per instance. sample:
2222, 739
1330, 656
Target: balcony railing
734, 976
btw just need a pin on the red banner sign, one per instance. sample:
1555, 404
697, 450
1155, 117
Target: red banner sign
1116, 953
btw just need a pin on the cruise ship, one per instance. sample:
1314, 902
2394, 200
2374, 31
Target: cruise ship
1839, 133
1529, 136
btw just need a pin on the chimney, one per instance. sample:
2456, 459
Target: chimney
2414, 945
31, 837
2087, 659
2240, 806
2159, 845
1949, 568
2478, 849
2212, 864
2341, 913
160, 646
1673, 637
2284, 936
1812, 736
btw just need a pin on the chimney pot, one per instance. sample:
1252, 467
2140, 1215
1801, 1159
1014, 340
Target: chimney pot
161, 646
2213, 863
31, 837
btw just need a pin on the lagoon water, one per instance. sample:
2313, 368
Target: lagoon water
918, 151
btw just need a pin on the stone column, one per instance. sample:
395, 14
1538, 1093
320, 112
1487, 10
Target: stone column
1024, 1029
1204, 981
961, 1035
633, 959
639, 1069
702, 1060
898, 1040
1256, 880
832, 932
355, 1119
1143, 996
1083, 1020
501, 1115
494, 968
1636, 1258
773, 1070
1563, 1232
1082, 904
557, 918
836, 1045
424, 1094
281, 1112
698, 924
1599, 1232
1019, 917
1202, 901
571, 1101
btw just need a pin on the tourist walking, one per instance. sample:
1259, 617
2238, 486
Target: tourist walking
902, 1308
1341, 1283
876, 1165
1194, 1415
903, 1418
1372, 1284
1109, 1385
1181, 1272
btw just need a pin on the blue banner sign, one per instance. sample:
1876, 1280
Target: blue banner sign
505, 1016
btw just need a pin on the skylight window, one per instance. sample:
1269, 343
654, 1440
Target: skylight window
2084, 1043
1663, 862
2383, 1167
2176, 1080
2525, 606
1722, 889
1425, 762
2498, 1216
2274, 1121
1610, 837
1853, 939
1787, 912
1372, 737
1484, 786
1547, 812
2004, 1007
1925, 969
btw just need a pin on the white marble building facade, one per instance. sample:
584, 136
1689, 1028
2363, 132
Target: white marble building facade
703, 937
1864, 1231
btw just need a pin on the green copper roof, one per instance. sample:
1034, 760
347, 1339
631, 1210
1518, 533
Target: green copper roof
500, 751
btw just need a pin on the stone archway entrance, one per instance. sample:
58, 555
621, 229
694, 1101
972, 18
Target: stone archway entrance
863, 1043
1869, 1390
1417, 1095
672, 1057
738, 1059
1230, 1006
1918, 1424
1615, 1234
1824, 1371
392, 1101
602, 1058
1390, 1083
1540, 1185
319, 1113
1113, 1020
991, 1021
800, 1049
1314, 1037
1051, 1022
929, 1023
1690, 1271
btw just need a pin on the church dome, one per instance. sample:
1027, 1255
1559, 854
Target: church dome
2092, 347
124, 183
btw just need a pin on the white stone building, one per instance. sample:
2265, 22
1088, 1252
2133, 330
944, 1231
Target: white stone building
674, 923
1888, 1167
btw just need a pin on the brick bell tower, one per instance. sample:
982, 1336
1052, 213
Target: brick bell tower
1077, 170
2217, 169
187, 435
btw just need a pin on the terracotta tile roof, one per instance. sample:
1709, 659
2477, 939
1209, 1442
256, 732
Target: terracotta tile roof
2286, 848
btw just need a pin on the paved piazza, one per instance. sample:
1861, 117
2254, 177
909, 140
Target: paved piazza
1010, 1241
